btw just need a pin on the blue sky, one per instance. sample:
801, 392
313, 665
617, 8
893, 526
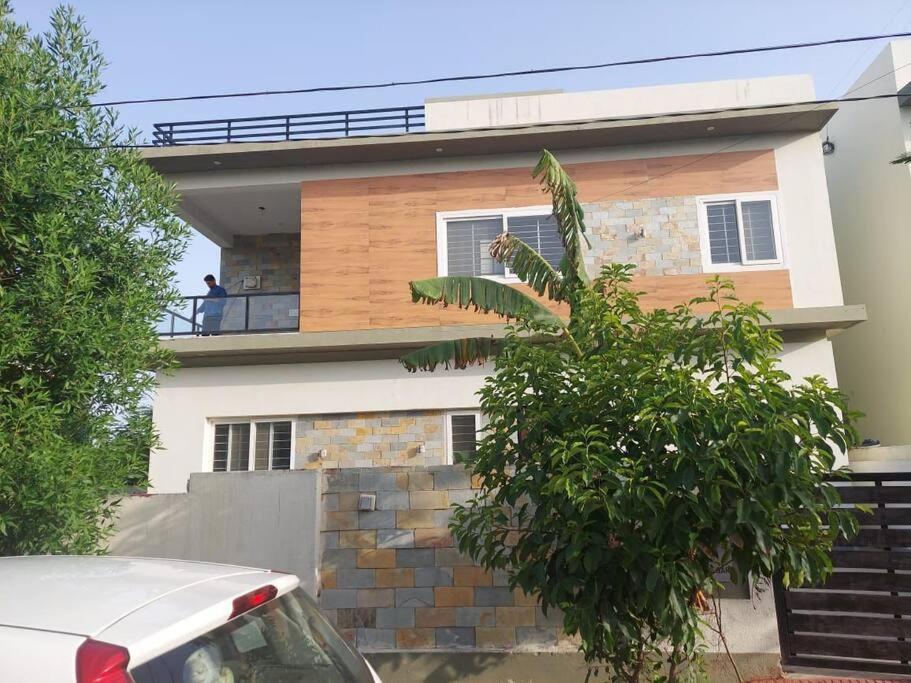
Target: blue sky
180, 47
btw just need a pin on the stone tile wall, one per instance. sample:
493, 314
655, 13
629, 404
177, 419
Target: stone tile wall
659, 235
371, 439
275, 258
391, 578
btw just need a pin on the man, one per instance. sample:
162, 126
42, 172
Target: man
213, 307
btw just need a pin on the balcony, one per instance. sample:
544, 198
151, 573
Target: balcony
291, 126
239, 314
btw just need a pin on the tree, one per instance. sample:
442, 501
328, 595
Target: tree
630, 456
87, 243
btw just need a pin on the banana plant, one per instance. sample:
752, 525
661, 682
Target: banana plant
503, 300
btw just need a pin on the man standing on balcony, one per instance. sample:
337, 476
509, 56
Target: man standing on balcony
213, 307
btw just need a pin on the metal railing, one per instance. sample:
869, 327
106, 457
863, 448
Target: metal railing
291, 126
233, 314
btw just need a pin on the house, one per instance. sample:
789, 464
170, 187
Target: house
321, 228
871, 203
320, 236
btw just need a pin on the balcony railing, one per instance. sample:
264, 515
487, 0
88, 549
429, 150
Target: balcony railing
291, 126
233, 314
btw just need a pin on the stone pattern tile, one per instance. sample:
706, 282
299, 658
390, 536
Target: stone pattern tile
391, 579
275, 258
373, 440
659, 235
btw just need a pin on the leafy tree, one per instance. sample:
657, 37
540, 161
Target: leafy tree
87, 243
631, 455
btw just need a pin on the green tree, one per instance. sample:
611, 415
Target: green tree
632, 455
87, 243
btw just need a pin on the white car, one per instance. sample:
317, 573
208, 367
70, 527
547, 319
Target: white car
86, 619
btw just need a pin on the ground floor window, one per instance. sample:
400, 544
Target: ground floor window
240, 446
463, 429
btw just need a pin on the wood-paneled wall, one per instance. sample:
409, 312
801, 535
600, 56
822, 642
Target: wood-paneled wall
364, 239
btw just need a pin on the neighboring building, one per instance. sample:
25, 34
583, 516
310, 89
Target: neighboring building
871, 212
328, 233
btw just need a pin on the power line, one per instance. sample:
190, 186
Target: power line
503, 74
550, 124
866, 50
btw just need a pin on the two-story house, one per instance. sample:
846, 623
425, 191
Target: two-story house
323, 220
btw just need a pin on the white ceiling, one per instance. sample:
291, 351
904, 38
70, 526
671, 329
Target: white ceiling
219, 214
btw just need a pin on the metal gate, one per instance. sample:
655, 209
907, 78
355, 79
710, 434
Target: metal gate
860, 618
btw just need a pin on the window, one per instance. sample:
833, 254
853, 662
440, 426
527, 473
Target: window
462, 434
464, 239
285, 639
255, 445
739, 231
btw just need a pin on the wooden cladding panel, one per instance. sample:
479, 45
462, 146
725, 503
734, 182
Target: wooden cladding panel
771, 287
364, 239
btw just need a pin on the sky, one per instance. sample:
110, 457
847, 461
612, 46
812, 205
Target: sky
182, 47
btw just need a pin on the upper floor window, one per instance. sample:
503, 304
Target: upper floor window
464, 238
252, 445
739, 231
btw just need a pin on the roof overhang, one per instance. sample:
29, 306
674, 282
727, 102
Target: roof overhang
795, 324
500, 140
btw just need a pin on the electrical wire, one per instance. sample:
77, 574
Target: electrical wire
502, 74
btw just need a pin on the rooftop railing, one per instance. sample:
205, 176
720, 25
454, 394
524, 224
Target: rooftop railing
233, 314
290, 126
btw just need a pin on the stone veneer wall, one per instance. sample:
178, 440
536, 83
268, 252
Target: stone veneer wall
659, 235
275, 258
391, 578
370, 439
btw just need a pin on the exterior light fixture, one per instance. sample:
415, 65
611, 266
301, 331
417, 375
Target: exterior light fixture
710, 128
828, 147
439, 149
422, 448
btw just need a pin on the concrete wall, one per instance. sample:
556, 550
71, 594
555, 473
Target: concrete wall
257, 519
458, 113
871, 205
390, 578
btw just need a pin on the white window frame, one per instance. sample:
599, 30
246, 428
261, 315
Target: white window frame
480, 423
738, 198
251, 456
443, 217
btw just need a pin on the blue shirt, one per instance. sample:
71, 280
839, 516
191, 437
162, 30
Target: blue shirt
215, 304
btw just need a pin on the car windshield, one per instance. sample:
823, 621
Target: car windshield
283, 641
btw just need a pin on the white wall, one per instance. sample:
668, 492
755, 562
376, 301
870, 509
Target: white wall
526, 108
187, 400
871, 207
